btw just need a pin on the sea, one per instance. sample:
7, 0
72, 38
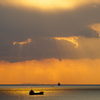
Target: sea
51, 92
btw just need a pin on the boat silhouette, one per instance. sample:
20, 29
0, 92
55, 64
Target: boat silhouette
59, 84
35, 93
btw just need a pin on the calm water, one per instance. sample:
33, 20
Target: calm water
66, 92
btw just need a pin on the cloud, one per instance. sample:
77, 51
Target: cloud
48, 4
51, 71
96, 27
24, 42
19, 24
49, 37
70, 39
43, 4
59, 24
45, 48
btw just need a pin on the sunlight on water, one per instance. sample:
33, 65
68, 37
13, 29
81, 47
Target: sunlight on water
50, 93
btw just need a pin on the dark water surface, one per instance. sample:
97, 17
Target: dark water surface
51, 92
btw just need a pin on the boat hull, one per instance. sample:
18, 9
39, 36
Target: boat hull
37, 93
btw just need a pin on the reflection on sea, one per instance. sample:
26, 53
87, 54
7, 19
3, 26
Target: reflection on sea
50, 92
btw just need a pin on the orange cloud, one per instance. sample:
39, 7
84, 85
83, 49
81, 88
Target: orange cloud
70, 39
24, 42
79, 71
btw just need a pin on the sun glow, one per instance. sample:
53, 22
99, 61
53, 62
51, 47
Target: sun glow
42, 4
45, 4
51, 71
49, 4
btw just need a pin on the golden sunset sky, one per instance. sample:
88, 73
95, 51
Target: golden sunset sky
49, 41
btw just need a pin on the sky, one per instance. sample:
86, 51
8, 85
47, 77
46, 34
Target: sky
49, 41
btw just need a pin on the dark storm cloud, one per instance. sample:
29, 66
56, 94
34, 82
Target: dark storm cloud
49, 48
87, 32
17, 24
37, 23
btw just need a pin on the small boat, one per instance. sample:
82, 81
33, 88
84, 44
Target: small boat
59, 84
35, 93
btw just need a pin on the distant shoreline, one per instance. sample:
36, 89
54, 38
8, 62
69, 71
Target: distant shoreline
49, 84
